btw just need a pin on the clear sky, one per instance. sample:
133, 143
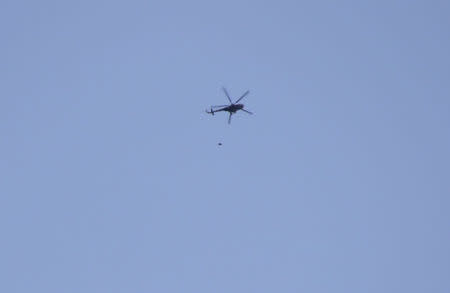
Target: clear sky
112, 179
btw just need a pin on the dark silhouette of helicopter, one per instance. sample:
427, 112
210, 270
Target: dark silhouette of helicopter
232, 108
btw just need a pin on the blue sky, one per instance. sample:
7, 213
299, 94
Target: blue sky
112, 179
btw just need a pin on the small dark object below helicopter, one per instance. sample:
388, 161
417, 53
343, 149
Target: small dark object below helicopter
232, 108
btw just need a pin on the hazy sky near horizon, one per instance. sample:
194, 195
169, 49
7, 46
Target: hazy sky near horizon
112, 179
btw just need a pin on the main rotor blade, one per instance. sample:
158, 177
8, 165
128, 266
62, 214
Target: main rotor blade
246, 93
218, 106
247, 111
229, 119
226, 93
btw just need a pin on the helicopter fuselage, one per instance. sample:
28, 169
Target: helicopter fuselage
232, 108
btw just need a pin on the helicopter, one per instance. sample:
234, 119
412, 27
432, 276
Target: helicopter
232, 108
